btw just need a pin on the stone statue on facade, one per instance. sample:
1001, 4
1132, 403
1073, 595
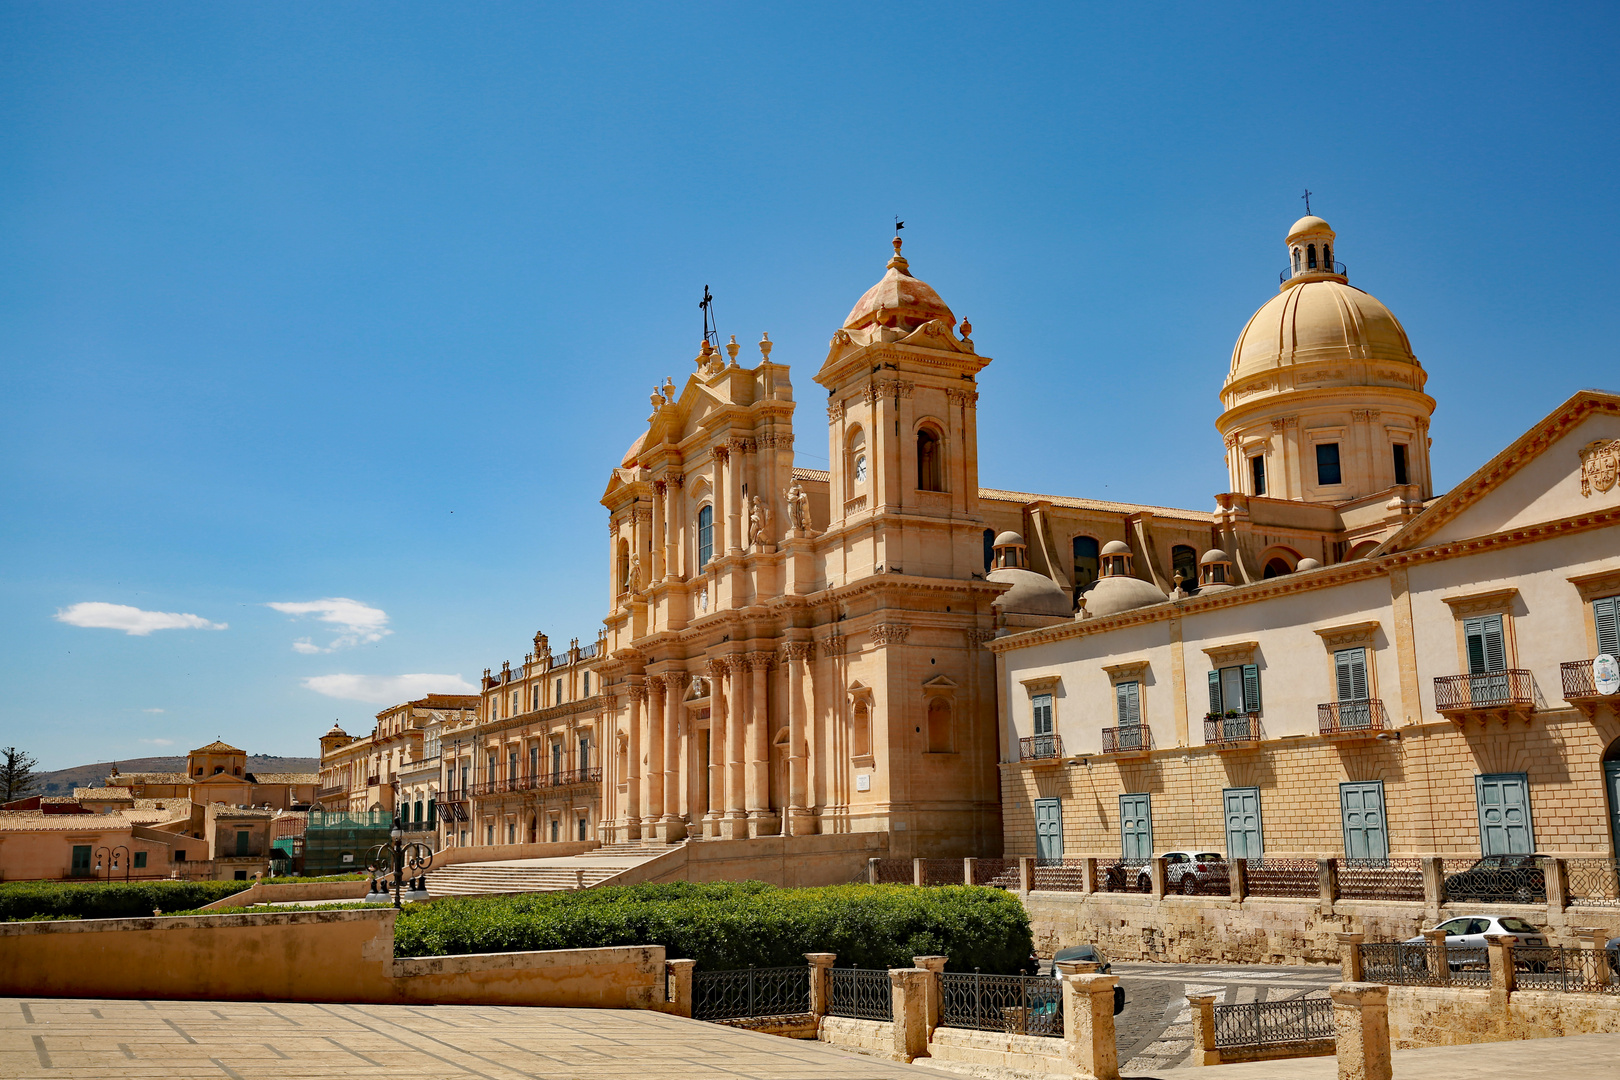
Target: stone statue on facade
798, 505
759, 523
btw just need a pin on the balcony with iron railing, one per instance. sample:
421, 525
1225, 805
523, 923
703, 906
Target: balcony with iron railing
557, 778
1351, 719
1127, 741
1233, 732
1581, 687
1499, 694
1289, 273
330, 792
1040, 748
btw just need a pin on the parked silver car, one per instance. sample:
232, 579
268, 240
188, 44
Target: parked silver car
1189, 872
1465, 940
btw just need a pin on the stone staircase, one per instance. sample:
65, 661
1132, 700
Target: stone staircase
472, 879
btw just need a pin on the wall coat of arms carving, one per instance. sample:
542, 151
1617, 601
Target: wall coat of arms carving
1600, 465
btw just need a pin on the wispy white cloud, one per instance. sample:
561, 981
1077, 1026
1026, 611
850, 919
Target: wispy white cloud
387, 689
131, 620
152, 710
159, 742
356, 623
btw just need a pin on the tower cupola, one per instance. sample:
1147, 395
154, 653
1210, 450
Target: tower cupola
1310, 251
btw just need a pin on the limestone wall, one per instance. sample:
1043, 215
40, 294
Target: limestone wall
614, 978
293, 892
792, 861
1447, 1016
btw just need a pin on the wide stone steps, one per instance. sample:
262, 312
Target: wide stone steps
471, 879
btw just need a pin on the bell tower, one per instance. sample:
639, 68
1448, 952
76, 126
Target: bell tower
902, 431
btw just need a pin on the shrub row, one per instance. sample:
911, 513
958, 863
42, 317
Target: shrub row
725, 925
108, 900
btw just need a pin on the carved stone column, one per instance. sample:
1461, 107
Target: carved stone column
717, 746
633, 779
670, 827
798, 820
675, 512
759, 748
652, 805
735, 825
722, 501
655, 573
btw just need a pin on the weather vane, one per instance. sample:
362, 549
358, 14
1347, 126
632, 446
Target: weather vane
898, 225
1307, 198
711, 332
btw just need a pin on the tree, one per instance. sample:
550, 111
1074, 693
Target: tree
17, 778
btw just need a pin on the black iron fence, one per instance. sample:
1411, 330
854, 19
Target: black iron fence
1273, 1023
1380, 879
1132, 739
1039, 747
1488, 881
1592, 882
1283, 877
1487, 690
1226, 730
1552, 967
861, 993
1419, 964
751, 992
1020, 1004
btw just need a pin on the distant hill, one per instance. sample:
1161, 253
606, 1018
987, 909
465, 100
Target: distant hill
63, 781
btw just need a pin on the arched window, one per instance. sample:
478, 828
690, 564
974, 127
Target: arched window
624, 566
705, 536
1086, 563
1310, 256
939, 726
1277, 568
1184, 562
860, 731
930, 467
989, 548
855, 458
558, 700
1327, 257
1296, 260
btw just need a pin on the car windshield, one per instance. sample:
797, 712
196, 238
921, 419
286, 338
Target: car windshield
1518, 926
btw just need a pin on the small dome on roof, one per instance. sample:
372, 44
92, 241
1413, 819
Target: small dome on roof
1007, 538
1114, 594
1310, 223
1116, 547
1031, 593
1214, 555
1307, 564
898, 300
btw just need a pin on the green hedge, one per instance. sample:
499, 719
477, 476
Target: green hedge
108, 900
734, 924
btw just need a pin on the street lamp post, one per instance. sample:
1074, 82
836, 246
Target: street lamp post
110, 857
415, 857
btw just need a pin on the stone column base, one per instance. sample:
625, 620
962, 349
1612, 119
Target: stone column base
802, 822
710, 827
670, 829
734, 826
763, 823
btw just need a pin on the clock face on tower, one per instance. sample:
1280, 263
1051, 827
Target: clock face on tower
860, 469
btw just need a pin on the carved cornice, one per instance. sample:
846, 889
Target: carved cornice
777, 441
1126, 669
1346, 635
977, 637
886, 634
1481, 603
883, 388
1596, 586
1238, 652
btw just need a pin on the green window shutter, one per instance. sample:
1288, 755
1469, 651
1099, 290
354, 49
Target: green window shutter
1215, 692
1495, 647
1606, 613
1127, 696
1251, 688
432, 808
1342, 675
1486, 648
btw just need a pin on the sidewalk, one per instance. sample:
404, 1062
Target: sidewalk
1573, 1057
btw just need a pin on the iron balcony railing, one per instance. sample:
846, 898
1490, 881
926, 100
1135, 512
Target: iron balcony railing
1487, 690
1131, 739
1273, 1023
1040, 747
1578, 681
1018, 1004
558, 779
1320, 268
751, 992
1380, 879
1230, 730
861, 993
1350, 718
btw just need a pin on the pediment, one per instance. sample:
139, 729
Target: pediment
1564, 466
940, 682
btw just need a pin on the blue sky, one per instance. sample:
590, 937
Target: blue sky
321, 325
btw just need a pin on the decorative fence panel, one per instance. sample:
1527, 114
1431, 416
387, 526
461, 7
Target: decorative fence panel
1273, 1023
996, 873
749, 992
1020, 1004
1060, 875
894, 872
1381, 879
1126, 875
1403, 964
861, 993
943, 871
1593, 882
1466, 883
1283, 877
1581, 971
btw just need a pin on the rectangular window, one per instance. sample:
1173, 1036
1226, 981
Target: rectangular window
1042, 704
512, 765
432, 813
1128, 703
489, 835
1327, 464
515, 705
1400, 463
466, 775
140, 860
81, 860
534, 760
1234, 689
1504, 814
536, 696
555, 827
1257, 472
180, 855
242, 841
705, 536
1351, 687
1243, 838
556, 763
1487, 651
1606, 614
511, 833
582, 828
584, 755
559, 693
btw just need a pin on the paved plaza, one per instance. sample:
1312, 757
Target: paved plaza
54, 1039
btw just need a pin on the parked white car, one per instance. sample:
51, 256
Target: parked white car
1470, 931
1187, 872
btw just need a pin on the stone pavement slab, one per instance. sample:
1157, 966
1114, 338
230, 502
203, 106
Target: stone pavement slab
59, 1039
1573, 1057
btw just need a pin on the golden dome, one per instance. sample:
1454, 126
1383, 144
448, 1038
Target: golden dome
1315, 321
1310, 223
898, 300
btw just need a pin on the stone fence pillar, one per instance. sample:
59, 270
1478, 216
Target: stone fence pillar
1350, 956
1499, 949
1088, 875
1203, 1009
935, 966
872, 871
919, 873
1442, 962
679, 976
910, 1002
1327, 883
970, 870
1556, 873
1088, 1023
1434, 885
1026, 874
1237, 878
1155, 878
820, 981
1361, 1030
1592, 938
